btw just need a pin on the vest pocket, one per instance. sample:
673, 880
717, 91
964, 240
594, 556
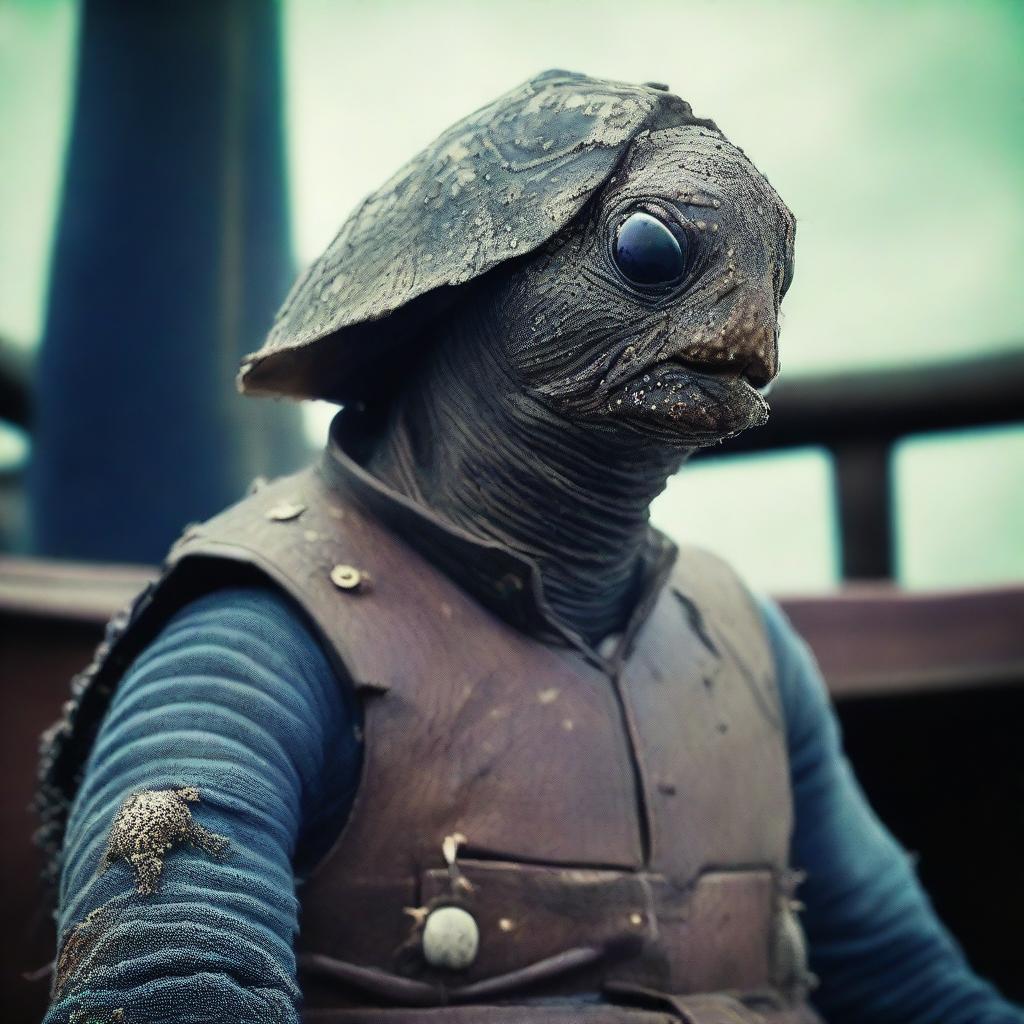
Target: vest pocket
540, 927
485, 931
565, 929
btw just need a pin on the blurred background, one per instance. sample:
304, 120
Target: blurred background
166, 168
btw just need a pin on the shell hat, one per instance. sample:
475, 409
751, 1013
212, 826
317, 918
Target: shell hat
493, 187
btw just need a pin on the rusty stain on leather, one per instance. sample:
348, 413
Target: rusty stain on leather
148, 825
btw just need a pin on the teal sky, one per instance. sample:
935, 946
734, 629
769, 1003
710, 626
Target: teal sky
895, 131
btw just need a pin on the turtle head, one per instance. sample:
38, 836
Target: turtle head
656, 310
635, 257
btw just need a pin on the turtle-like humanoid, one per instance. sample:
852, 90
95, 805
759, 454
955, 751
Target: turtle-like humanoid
519, 758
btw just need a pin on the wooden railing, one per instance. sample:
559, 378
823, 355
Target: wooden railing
859, 417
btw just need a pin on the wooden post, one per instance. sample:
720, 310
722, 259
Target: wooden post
864, 500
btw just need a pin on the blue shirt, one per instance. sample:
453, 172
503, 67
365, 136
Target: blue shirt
237, 698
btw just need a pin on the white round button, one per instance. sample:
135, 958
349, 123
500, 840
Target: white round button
450, 938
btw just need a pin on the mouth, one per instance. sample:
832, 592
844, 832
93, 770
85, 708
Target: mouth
691, 403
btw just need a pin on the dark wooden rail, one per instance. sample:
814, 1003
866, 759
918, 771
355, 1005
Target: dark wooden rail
859, 416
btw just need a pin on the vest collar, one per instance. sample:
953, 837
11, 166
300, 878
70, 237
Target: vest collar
506, 583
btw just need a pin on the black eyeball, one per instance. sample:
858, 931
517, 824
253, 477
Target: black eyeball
647, 252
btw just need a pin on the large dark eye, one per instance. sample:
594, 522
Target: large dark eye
646, 251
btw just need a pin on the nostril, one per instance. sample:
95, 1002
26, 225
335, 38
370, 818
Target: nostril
761, 368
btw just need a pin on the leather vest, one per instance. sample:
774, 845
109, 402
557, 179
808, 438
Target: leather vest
613, 826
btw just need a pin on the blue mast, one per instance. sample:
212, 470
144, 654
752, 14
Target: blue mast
172, 253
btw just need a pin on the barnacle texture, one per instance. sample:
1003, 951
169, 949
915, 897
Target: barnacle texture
90, 1016
78, 946
148, 825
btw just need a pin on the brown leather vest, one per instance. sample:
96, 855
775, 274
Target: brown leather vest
615, 826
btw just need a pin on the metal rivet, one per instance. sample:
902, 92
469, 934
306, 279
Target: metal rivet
636, 918
450, 938
347, 577
285, 511
506, 924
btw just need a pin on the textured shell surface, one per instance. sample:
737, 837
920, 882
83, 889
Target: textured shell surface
494, 186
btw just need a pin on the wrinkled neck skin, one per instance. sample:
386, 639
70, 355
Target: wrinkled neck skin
468, 442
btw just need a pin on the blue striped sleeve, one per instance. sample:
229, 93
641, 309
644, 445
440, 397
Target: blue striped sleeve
238, 724
875, 941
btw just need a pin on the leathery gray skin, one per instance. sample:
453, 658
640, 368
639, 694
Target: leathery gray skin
558, 398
